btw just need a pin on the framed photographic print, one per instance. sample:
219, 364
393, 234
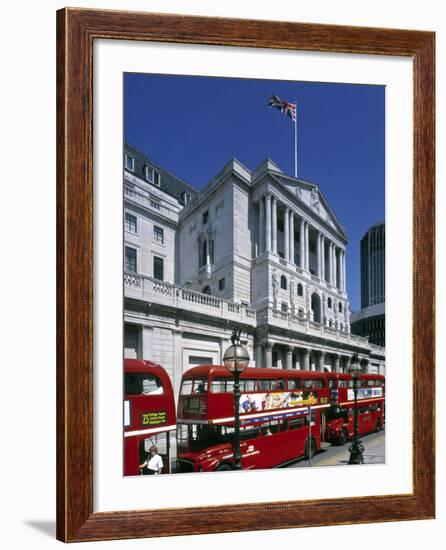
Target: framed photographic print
245, 275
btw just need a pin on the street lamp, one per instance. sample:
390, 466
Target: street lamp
236, 359
356, 449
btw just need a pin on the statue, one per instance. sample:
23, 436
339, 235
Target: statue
275, 281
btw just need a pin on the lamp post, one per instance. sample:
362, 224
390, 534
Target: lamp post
236, 359
356, 449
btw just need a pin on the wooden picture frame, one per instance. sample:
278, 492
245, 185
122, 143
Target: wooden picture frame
77, 29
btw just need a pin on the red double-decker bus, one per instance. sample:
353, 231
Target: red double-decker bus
149, 414
275, 426
340, 415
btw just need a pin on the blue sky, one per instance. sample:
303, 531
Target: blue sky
193, 125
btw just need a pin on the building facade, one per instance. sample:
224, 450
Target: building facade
259, 250
373, 246
370, 321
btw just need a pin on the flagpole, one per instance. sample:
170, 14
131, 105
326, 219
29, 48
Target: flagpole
295, 140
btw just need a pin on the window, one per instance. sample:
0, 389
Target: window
283, 282
158, 268
248, 385
222, 385
329, 302
211, 251
130, 223
205, 217
186, 198
274, 358
315, 383
158, 234
294, 383
284, 307
152, 176
142, 384
221, 284
340, 307
155, 204
296, 423
130, 163
267, 385
130, 260
300, 290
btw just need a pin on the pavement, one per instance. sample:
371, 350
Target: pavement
329, 455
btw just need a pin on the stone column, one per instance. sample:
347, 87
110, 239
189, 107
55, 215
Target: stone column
274, 225
259, 358
269, 355
344, 273
307, 247
329, 263
289, 359
307, 365
261, 226
268, 223
145, 345
340, 269
292, 237
336, 267
319, 254
321, 361
337, 363
322, 257
287, 234
302, 244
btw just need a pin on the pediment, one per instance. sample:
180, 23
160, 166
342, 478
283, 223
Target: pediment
311, 196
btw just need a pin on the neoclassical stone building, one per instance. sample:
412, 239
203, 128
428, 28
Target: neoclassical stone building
260, 250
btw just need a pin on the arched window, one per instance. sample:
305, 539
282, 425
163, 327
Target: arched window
300, 290
283, 282
206, 290
340, 307
329, 303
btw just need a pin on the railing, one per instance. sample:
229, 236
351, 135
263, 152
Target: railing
152, 290
146, 200
293, 322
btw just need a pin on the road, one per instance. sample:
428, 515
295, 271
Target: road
329, 455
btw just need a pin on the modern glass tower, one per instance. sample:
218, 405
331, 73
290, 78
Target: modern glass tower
373, 244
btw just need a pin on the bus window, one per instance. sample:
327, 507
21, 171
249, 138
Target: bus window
247, 385
186, 387
343, 383
294, 383
267, 385
332, 384
313, 419
370, 383
142, 384
296, 423
222, 385
200, 385
315, 383
270, 428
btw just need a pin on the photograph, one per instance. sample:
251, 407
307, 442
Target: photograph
253, 274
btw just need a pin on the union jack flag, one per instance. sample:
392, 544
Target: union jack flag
289, 109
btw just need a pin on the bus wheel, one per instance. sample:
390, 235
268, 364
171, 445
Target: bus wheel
310, 448
223, 468
378, 426
342, 438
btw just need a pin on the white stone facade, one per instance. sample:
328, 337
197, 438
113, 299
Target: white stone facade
259, 250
